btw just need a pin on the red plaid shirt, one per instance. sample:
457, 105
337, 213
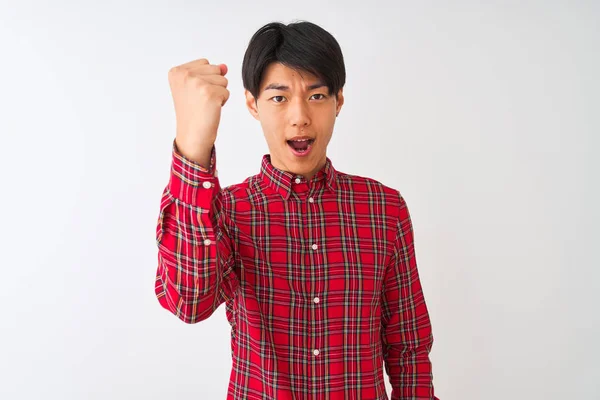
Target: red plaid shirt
319, 280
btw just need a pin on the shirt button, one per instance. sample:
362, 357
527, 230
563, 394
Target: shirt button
207, 185
316, 352
298, 180
316, 300
314, 247
311, 200
207, 242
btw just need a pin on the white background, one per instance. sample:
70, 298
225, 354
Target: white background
485, 117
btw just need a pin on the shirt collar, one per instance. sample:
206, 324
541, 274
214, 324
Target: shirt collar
283, 181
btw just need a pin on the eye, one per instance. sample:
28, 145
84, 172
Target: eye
277, 97
319, 94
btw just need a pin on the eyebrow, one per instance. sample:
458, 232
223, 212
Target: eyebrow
278, 86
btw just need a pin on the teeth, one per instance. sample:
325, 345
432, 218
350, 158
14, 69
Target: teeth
300, 140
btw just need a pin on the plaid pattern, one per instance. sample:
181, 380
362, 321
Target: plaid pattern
319, 280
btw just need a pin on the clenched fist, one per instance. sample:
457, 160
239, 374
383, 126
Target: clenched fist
199, 91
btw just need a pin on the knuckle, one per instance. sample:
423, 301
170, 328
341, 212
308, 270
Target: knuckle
174, 71
179, 73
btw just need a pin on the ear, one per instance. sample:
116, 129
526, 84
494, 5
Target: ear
251, 104
339, 101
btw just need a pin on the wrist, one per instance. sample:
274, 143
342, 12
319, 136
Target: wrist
199, 152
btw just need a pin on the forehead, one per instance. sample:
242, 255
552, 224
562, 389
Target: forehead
281, 74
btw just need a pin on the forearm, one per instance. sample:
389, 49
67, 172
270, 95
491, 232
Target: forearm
195, 262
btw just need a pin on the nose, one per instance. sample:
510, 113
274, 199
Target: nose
298, 113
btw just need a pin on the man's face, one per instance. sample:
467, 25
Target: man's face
290, 105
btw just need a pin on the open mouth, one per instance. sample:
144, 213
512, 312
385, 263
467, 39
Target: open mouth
300, 147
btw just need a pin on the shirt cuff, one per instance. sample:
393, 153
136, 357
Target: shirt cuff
192, 183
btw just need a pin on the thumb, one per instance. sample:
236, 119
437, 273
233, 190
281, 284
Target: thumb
223, 69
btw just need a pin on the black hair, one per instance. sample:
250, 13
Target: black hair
302, 46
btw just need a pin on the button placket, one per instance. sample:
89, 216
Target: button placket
316, 299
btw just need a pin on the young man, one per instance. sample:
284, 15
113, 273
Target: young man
316, 267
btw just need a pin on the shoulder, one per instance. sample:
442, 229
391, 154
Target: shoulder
242, 190
370, 187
